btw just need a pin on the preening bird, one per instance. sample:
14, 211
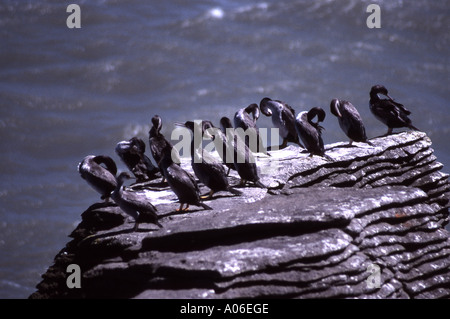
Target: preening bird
132, 153
242, 120
101, 178
349, 120
389, 112
309, 132
283, 117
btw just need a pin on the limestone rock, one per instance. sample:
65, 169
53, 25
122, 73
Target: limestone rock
312, 234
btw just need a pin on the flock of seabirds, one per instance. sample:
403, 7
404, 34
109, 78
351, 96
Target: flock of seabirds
235, 151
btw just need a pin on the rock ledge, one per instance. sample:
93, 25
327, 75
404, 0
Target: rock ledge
313, 234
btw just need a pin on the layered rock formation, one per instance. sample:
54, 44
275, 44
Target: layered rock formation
315, 233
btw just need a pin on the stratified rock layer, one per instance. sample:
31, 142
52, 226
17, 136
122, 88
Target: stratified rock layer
313, 234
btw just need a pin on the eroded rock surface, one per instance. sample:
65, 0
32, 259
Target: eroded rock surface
312, 234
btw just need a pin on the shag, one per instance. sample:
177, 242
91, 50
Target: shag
224, 146
181, 182
309, 132
391, 113
243, 159
243, 120
102, 179
135, 205
206, 168
132, 153
349, 120
158, 143
283, 117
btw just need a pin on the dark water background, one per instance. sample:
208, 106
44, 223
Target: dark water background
65, 93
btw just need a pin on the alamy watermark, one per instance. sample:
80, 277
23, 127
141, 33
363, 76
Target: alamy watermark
374, 19
73, 21
74, 279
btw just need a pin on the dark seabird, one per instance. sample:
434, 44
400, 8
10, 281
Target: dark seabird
102, 179
349, 120
181, 182
243, 159
391, 113
210, 172
134, 204
310, 132
223, 145
158, 143
283, 117
132, 153
243, 120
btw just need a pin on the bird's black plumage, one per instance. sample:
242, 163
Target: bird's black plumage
349, 120
309, 132
159, 144
250, 132
132, 153
209, 171
136, 205
243, 159
283, 117
100, 178
389, 112
181, 182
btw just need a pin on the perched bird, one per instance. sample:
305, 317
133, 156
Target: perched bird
132, 153
243, 159
283, 117
309, 132
206, 168
102, 179
135, 205
250, 132
223, 146
349, 120
181, 182
158, 143
391, 113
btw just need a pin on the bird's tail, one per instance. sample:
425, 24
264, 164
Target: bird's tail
149, 217
234, 191
204, 206
414, 128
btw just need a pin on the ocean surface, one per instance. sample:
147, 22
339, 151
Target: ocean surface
67, 93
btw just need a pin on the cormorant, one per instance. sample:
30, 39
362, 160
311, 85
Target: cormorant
349, 120
283, 117
310, 132
132, 153
391, 113
181, 182
244, 161
135, 205
206, 168
158, 143
243, 120
100, 178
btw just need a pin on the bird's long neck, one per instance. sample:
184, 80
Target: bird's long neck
374, 96
109, 163
119, 185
